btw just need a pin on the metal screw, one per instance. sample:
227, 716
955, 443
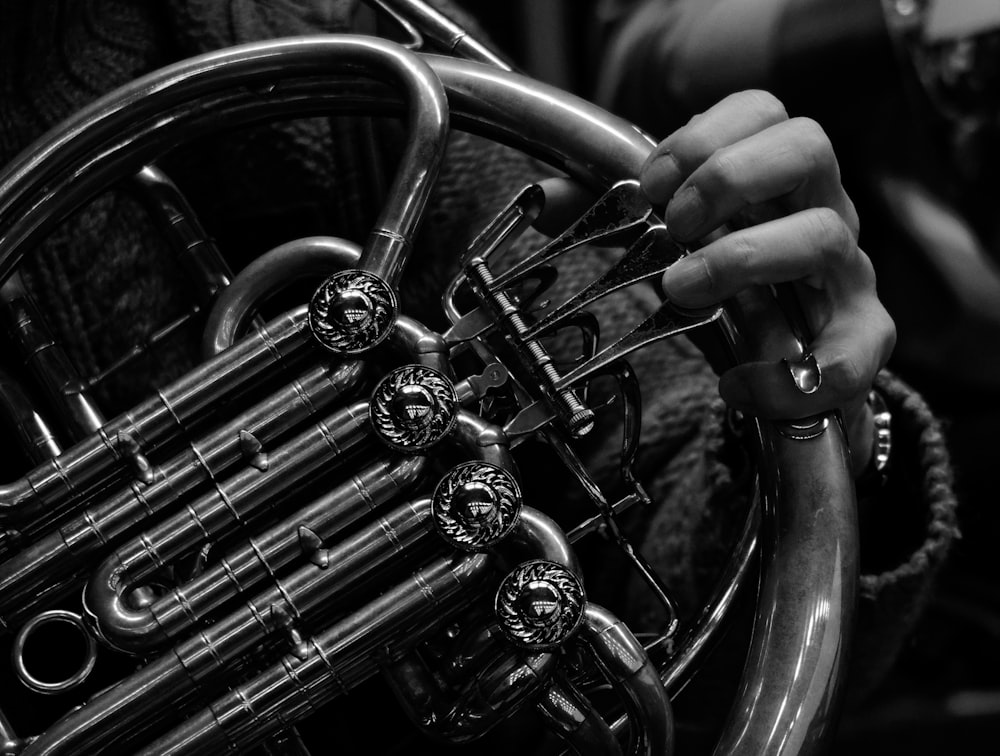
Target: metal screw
581, 418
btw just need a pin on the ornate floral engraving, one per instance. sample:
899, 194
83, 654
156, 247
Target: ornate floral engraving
352, 311
413, 408
475, 505
540, 605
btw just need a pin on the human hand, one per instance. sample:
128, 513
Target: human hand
775, 180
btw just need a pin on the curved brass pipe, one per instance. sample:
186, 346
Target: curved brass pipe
134, 629
269, 273
196, 251
569, 714
38, 441
198, 659
142, 628
58, 555
301, 258
627, 667
335, 660
799, 647
25, 185
232, 503
499, 676
488, 440
425, 347
538, 536
47, 361
100, 455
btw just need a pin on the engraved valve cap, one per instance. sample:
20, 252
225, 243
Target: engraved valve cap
540, 605
475, 505
413, 408
352, 311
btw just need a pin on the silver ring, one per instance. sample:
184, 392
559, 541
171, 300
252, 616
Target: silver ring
805, 373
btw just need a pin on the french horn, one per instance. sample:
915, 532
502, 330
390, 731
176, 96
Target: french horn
420, 563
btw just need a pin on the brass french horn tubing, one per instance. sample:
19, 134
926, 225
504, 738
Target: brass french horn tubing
422, 19
151, 422
497, 104
538, 536
571, 715
299, 258
426, 346
493, 680
339, 659
502, 682
233, 502
488, 440
140, 628
810, 562
340, 651
47, 362
61, 553
36, 437
195, 250
25, 186
203, 655
628, 668
134, 629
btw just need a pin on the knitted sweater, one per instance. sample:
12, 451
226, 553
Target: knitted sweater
107, 281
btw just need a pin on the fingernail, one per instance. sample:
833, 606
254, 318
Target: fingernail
660, 177
687, 281
685, 214
805, 373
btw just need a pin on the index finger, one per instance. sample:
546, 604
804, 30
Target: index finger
731, 120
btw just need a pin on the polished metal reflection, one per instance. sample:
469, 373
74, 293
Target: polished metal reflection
88, 656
